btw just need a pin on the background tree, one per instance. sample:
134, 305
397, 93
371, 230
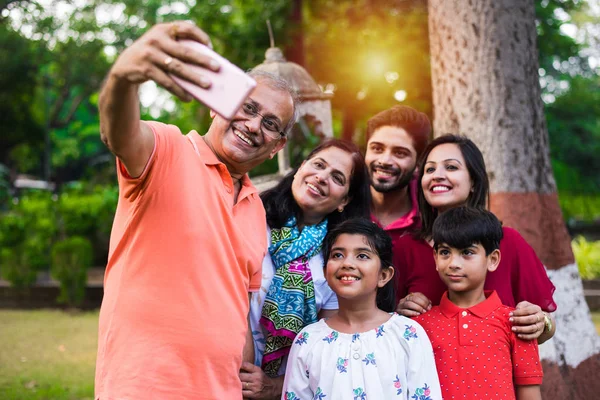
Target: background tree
21, 122
484, 63
57, 55
570, 82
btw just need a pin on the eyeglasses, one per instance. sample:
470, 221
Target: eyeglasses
269, 125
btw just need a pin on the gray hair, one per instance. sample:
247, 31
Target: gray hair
278, 83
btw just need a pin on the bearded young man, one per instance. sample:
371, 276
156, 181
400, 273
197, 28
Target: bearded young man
396, 138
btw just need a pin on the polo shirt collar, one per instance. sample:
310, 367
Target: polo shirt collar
206, 154
209, 158
409, 219
482, 310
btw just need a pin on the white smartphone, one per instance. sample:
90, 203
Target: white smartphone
229, 87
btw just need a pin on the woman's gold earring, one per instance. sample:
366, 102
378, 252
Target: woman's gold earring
340, 209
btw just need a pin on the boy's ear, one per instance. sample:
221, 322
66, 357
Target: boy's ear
493, 260
435, 258
385, 276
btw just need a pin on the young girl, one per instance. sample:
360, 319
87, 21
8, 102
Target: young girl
364, 351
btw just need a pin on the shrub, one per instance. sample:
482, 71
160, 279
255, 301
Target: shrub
580, 207
4, 186
71, 259
17, 268
36, 220
89, 213
587, 255
26, 235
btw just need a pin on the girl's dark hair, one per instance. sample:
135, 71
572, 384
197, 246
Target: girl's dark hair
462, 227
379, 242
280, 204
480, 195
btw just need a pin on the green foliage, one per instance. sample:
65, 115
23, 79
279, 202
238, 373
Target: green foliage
558, 52
574, 131
4, 186
88, 212
572, 94
82, 213
24, 157
580, 207
587, 255
16, 267
53, 67
37, 220
19, 63
27, 231
56, 65
71, 259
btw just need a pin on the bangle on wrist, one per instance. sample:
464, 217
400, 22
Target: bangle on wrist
547, 323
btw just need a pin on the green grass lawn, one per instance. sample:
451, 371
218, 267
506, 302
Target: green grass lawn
50, 355
47, 354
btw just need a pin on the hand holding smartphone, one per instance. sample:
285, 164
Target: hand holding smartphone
229, 87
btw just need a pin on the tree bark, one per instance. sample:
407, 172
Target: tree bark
484, 64
348, 124
295, 51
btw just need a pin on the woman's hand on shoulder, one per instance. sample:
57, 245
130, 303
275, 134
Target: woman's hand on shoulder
413, 304
528, 320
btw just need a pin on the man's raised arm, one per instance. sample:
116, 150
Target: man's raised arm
152, 57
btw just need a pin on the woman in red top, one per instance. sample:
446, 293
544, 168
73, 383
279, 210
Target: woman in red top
452, 173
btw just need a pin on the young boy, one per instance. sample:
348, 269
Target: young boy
476, 353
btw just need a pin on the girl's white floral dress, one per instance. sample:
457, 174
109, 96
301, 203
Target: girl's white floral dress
393, 361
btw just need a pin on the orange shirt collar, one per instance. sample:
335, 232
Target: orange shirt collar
209, 158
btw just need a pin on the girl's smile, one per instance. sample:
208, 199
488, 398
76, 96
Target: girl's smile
348, 279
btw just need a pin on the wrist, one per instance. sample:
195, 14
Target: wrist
275, 387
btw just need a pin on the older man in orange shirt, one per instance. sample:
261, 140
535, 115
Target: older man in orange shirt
189, 233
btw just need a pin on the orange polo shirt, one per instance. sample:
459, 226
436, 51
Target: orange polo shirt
182, 259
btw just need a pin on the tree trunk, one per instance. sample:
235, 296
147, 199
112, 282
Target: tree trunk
348, 124
295, 53
484, 64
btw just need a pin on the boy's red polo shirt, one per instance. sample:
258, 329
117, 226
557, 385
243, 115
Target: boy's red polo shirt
476, 353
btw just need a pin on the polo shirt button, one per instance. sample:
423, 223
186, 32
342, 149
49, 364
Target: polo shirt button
465, 326
464, 313
356, 347
356, 356
228, 189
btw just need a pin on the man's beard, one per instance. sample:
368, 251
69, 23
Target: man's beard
386, 187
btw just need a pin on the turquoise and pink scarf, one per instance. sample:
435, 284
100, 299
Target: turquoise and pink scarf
290, 302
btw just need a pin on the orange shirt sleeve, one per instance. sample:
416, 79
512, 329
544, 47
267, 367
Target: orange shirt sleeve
256, 277
162, 155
